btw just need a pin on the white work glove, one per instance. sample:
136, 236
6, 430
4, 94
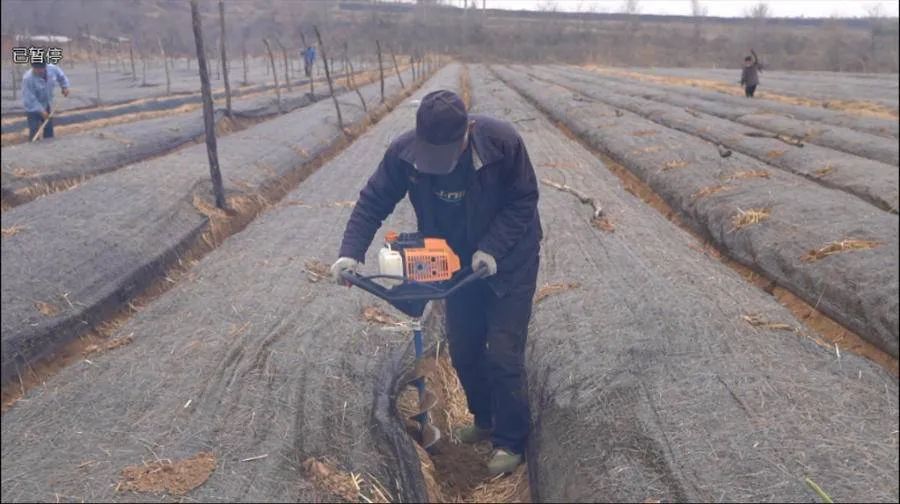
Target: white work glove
484, 260
341, 265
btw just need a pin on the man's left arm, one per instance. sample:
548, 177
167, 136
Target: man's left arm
519, 207
62, 80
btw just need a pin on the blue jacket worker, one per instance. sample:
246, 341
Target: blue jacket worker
470, 181
309, 57
37, 95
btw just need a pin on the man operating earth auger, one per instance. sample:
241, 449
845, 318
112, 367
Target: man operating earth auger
471, 183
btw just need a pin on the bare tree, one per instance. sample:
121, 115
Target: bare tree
274, 72
208, 119
878, 27
287, 68
337, 105
131, 54
162, 51
380, 68
224, 57
759, 11
631, 7
698, 11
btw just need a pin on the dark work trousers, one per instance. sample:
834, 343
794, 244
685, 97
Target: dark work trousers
749, 90
487, 344
34, 124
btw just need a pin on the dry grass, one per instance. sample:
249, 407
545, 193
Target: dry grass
710, 190
107, 345
748, 174
511, 488
166, 476
604, 223
22, 172
775, 154
46, 309
749, 217
316, 270
375, 315
839, 247
825, 170
644, 133
757, 320
648, 149
548, 290
674, 165
331, 480
12, 230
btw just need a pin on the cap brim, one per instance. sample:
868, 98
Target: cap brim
437, 159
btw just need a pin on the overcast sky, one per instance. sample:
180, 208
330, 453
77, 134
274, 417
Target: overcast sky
724, 8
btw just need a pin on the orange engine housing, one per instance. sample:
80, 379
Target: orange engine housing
425, 259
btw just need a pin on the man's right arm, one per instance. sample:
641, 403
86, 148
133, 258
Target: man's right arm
377, 200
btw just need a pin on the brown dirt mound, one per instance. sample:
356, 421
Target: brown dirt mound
165, 476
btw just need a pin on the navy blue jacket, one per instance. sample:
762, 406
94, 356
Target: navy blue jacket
501, 202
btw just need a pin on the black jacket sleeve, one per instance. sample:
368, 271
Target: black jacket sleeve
519, 205
385, 188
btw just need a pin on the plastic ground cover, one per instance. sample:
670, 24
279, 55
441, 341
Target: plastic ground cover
772, 221
647, 383
82, 254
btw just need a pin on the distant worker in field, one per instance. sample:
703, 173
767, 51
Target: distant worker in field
309, 57
37, 95
470, 182
750, 74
